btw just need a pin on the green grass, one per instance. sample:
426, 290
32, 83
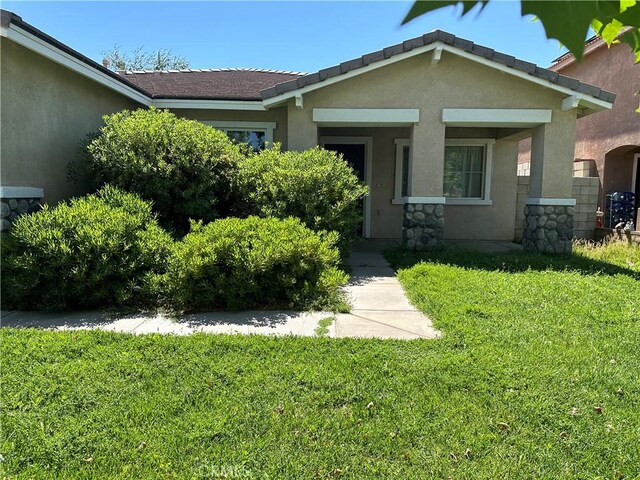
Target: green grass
537, 375
322, 330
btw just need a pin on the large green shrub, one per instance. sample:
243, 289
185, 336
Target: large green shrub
94, 251
317, 186
253, 262
183, 166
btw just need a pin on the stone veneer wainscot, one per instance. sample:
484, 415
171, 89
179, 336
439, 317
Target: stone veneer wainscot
423, 226
548, 228
15, 201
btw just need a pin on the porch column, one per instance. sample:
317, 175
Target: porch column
302, 131
548, 211
423, 222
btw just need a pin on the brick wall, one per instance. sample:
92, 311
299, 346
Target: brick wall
585, 191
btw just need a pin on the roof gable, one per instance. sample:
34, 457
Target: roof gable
592, 96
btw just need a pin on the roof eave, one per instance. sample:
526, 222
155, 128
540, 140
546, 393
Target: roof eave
281, 93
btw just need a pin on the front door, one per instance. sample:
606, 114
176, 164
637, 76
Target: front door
356, 156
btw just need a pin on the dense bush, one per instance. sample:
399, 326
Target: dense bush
95, 251
253, 262
317, 186
183, 166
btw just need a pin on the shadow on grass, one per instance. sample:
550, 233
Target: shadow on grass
510, 262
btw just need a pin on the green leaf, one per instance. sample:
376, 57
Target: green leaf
420, 7
632, 37
566, 21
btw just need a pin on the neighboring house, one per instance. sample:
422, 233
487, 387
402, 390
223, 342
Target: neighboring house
432, 125
607, 145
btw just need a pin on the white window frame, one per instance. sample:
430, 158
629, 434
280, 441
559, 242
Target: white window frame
634, 174
237, 126
487, 143
398, 199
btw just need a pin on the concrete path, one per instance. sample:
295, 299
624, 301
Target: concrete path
380, 309
249, 322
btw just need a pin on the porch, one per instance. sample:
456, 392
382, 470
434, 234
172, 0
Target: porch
456, 179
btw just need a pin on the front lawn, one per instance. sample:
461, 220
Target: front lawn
537, 376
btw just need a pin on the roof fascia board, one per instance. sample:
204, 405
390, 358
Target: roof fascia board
208, 104
30, 41
586, 100
272, 102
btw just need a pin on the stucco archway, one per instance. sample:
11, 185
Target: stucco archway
622, 171
619, 169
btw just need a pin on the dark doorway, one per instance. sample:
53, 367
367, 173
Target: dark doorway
354, 154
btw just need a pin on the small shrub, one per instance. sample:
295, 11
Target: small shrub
94, 251
183, 166
253, 262
317, 186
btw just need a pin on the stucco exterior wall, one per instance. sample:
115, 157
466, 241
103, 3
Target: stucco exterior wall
489, 222
612, 69
452, 83
46, 110
277, 115
616, 130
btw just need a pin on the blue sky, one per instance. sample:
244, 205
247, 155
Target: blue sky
301, 36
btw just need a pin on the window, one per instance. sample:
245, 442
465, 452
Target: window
259, 135
467, 171
403, 154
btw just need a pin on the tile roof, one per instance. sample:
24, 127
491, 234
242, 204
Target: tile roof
256, 84
447, 39
211, 84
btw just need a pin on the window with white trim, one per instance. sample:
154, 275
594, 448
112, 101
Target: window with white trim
467, 171
403, 156
258, 135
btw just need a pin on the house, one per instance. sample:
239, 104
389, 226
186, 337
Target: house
432, 125
607, 145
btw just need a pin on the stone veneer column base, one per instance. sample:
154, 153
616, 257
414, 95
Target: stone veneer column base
423, 226
548, 228
12, 207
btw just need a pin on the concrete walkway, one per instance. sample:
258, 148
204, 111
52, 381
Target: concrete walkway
248, 322
380, 310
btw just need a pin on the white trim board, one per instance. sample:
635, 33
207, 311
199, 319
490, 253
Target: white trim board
209, 104
400, 143
21, 192
586, 100
569, 202
427, 200
634, 174
496, 117
27, 40
368, 165
366, 116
